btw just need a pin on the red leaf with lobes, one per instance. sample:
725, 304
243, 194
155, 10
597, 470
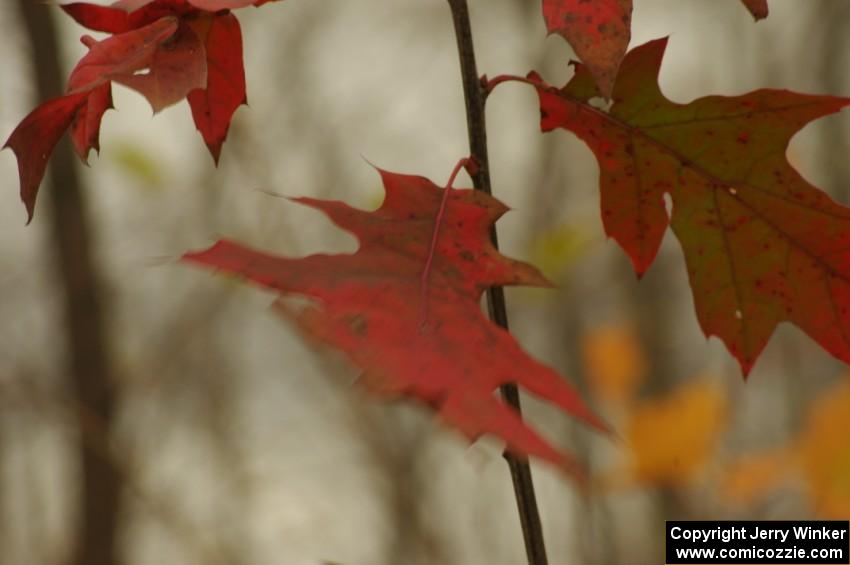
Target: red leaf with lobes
598, 31
762, 245
213, 106
369, 305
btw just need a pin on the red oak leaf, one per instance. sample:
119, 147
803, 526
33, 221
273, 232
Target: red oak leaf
370, 305
88, 98
758, 8
762, 245
213, 106
599, 33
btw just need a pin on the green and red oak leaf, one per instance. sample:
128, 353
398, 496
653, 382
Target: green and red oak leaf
762, 245
599, 32
435, 346
165, 49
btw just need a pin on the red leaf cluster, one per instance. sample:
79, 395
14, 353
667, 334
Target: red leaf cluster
165, 49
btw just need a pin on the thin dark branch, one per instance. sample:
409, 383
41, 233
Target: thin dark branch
474, 94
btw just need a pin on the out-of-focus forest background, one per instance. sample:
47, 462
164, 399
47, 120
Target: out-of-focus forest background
153, 413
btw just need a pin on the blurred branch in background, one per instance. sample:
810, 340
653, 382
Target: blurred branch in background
89, 365
40, 405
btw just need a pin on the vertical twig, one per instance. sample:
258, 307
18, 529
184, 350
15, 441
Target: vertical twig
476, 124
89, 365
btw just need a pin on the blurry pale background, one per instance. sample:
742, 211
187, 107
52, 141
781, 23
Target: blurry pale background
235, 443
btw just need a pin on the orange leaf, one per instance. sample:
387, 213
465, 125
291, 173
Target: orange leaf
824, 452
671, 437
614, 361
753, 475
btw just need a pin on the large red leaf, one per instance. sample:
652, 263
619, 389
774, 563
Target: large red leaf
432, 343
598, 31
762, 245
213, 106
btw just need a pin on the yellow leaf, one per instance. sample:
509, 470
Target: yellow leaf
614, 362
555, 251
754, 475
671, 437
819, 455
134, 161
824, 452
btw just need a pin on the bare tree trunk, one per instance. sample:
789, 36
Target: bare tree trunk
89, 367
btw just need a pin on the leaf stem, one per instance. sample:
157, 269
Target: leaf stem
438, 222
474, 94
490, 84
